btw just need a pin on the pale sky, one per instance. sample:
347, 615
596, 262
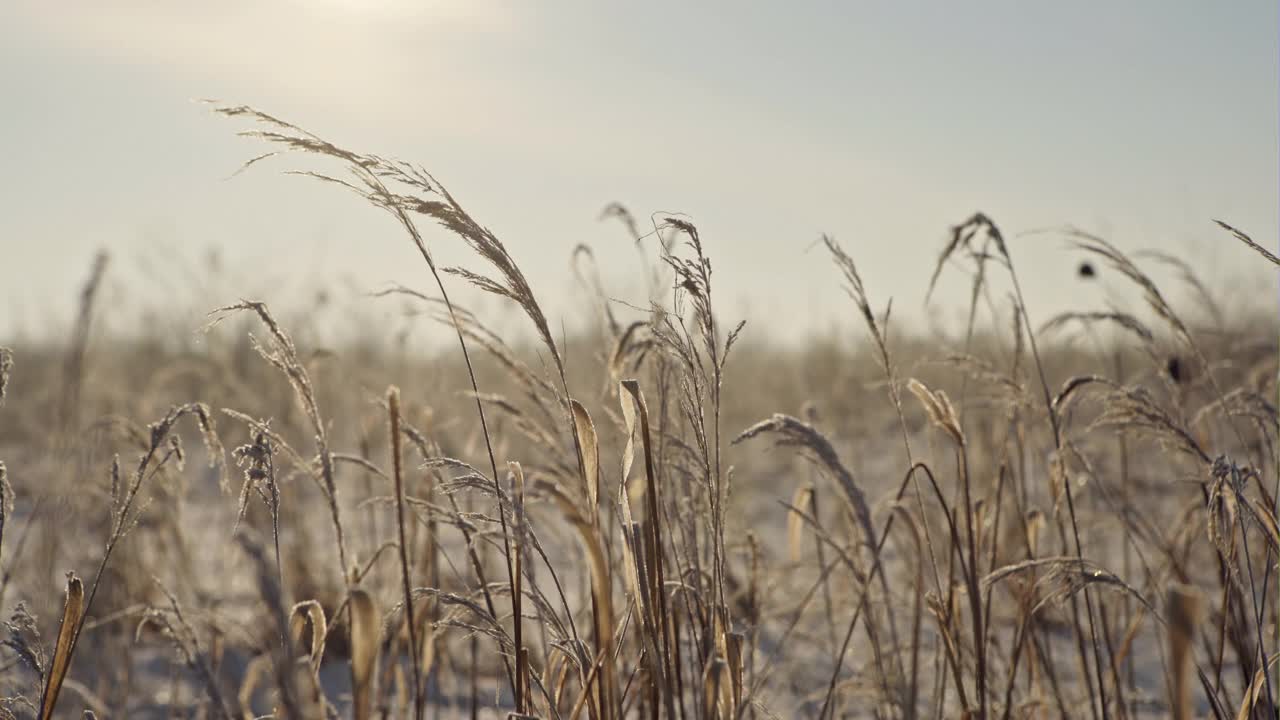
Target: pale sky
882, 123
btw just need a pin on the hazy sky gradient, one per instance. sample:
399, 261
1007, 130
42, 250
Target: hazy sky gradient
882, 123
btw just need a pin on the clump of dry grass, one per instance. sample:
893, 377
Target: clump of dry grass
995, 551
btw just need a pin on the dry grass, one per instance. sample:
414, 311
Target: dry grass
1059, 525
